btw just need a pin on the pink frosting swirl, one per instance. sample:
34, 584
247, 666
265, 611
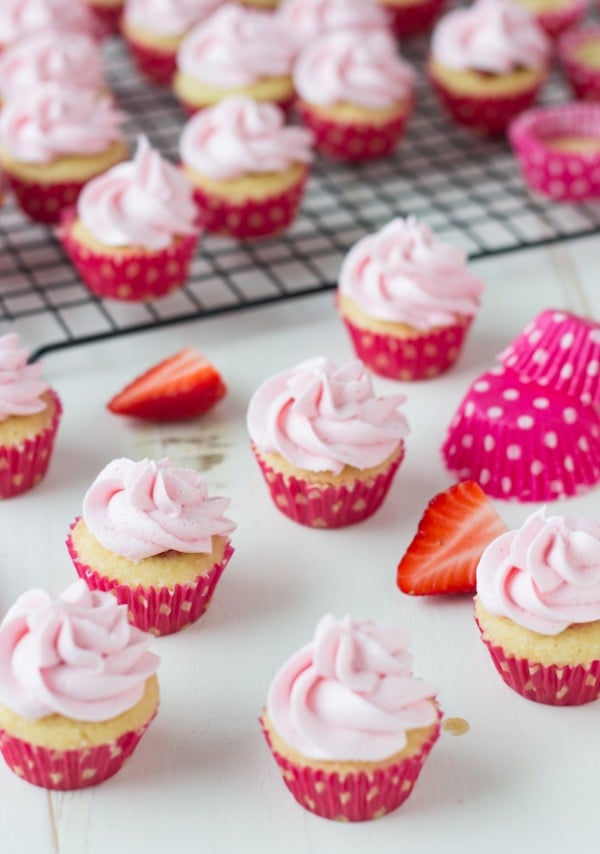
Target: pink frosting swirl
240, 136
544, 576
492, 36
145, 508
236, 47
168, 17
350, 694
20, 18
54, 120
308, 19
403, 274
76, 656
322, 417
355, 67
21, 388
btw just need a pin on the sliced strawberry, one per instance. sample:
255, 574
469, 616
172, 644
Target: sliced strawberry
454, 530
182, 386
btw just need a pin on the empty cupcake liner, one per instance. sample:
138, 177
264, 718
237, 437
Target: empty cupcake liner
410, 19
583, 79
562, 175
521, 441
556, 21
44, 203
156, 65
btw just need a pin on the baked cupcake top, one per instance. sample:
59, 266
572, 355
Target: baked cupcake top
404, 274
308, 19
492, 36
236, 47
168, 17
322, 417
545, 576
75, 655
350, 693
353, 67
20, 18
144, 202
21, 386
240, 136
146, 508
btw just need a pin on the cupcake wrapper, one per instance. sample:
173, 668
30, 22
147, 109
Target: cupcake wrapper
357, 796
584, 80
329, 506
556, 21
414, 18
44, 202
418, 358
564, 176
157, 66
68, 769
108, 18
25, 465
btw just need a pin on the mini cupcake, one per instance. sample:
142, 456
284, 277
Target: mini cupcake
407, 300
53, 139
248, 168
78, 687
237, 51
134, 232
348, 724
579, 55
488, 63
411, 17
107, 15
30, 413
327, 446
355, 93
271, 5
21, 18
555, 16
538, 608
306, 20
150, 535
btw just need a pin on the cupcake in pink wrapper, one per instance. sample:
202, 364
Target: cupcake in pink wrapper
579, 55
151, 535
411, 17
30, 413
355, 93
487, 63
327, 446
306, 20
21, 18
407, 300
248, 167
236, 51
347, 722
107, 15
78, 687
134, 232
555, 16
538, 608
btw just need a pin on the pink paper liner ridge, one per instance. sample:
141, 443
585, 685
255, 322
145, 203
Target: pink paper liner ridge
44, 203
583, 79
413, 18
158, 66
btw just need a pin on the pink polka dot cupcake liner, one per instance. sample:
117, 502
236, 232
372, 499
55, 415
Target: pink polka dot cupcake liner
522, 442
411, 19
556, 21
565, 174
44, 203
156, 66
583, 79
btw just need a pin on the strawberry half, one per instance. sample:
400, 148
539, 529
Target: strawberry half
453, 532
182, 386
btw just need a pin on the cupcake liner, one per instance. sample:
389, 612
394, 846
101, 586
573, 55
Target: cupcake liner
560, 350
44, 202
355, 796
69, 769
566, 176
108, 18
521, 441
556, 21
156, 65
583, 79
318, 506
24, 465
130, 276
413, 18
353, 141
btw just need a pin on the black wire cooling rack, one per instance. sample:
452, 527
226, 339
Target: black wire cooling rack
466, 188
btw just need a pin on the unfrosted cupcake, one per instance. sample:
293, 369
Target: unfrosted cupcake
488, 63
538, 608
411, 17
30, 413
248, 168
134, 233
151, 535
21, 18
555, 16
78, 687
347, 722
327, 445
306, 20
237, 51
407, 300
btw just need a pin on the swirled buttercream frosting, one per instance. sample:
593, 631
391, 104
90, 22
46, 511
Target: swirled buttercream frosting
168, 17
308, 19
21, 386
20, 18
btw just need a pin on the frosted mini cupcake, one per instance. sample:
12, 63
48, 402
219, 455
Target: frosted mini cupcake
21, 18
410, 17
555, 16
306, 20
107, 15
579, 54
348, 724
77, 687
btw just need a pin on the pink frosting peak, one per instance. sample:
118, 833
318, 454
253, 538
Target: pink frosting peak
76, 655
493, 36
20, 18
308, 19
544, 576
404, 274
21, 388
322, 417
146, 508
240, 136
144, 202
350, 694
236, 47
168, 17
354, 67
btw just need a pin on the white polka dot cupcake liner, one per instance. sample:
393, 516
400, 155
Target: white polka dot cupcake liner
558, 150
559, 350
44, 202
523, 442
583, 77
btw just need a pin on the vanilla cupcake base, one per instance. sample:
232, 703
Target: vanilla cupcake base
155, 56
195, 95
